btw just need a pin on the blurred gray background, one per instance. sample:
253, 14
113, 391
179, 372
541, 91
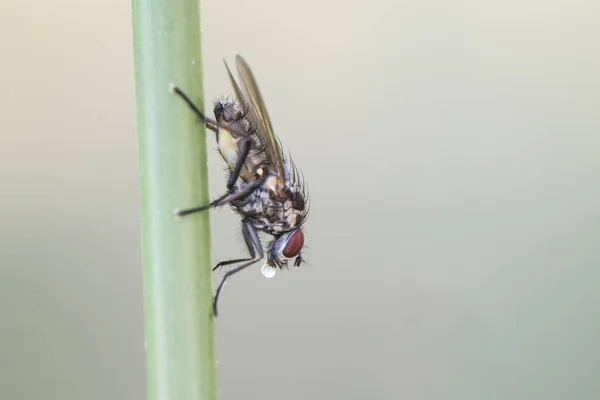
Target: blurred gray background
452, 151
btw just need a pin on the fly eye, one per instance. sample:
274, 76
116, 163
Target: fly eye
294, 245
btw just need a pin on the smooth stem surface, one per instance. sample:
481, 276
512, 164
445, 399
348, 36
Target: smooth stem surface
173, 172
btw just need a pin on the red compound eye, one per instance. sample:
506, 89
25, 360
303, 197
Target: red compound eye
294, 244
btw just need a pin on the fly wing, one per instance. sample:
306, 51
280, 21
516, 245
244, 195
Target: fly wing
253, 104
237, 90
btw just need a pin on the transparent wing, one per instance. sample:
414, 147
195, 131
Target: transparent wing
236, 89
252, 103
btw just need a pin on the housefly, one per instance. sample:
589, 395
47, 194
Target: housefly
264, 186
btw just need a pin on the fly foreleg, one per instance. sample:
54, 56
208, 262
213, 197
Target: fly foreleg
226, 198
256, 254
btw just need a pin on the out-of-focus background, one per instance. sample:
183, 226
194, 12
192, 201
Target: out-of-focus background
452, 151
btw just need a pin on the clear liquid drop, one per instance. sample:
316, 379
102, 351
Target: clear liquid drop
268, 271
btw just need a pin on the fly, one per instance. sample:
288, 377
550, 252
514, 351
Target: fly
264, 186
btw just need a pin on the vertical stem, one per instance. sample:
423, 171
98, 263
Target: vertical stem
173, 174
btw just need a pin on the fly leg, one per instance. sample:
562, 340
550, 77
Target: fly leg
256, 254
210, 123
229, 262
226, 198
249, 245
244, 145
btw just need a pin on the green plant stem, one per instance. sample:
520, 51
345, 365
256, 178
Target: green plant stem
173, 172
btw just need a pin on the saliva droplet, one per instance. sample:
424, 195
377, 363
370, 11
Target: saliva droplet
267, 271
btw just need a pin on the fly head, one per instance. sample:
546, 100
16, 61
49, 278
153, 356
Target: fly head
286, 246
